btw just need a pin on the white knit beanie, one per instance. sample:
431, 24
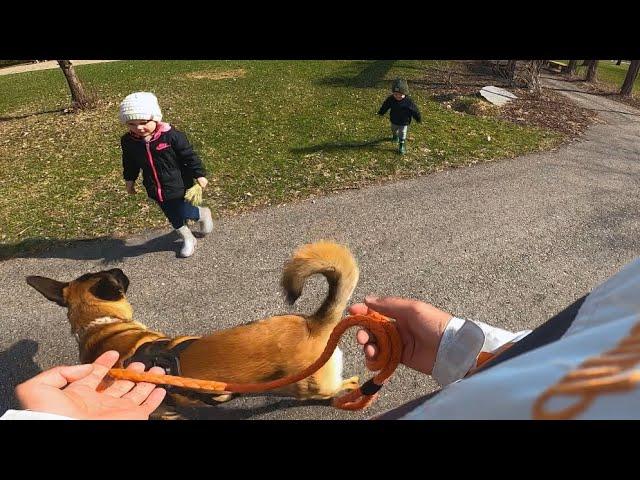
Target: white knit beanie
140, 106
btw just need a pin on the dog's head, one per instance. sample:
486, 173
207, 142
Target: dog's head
88, 297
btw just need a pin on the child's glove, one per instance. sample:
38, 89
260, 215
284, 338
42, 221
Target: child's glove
194, 195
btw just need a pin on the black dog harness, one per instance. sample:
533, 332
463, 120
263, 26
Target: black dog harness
157, 354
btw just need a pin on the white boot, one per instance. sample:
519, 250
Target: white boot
205, 222
189, 241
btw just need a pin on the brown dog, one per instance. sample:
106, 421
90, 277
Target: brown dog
275, 347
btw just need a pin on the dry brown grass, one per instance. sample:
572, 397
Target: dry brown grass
216, 75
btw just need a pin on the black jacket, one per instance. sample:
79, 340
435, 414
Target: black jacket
401, 111
168, 162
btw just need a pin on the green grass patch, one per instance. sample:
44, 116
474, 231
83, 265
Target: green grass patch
268, 132
610, 74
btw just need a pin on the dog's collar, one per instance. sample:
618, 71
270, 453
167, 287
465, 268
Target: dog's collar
94, 323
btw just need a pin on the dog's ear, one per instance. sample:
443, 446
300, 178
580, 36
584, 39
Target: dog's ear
123, 280
107, 288
51, 289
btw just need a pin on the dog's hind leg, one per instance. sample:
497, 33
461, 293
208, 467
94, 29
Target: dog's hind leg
351, 383
223, 398
327, 382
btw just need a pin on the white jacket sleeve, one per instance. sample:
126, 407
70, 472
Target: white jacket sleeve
30, 415
467, 344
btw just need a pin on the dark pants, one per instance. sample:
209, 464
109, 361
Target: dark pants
178, 211
548, 332
400, 131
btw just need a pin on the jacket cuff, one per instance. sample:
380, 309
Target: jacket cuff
466, 344
31, 415
460, 345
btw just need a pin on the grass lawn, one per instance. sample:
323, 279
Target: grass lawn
610, 74
268, 132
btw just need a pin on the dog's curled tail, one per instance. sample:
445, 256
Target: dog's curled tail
337, 265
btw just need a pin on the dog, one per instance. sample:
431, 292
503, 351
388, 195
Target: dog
101, 319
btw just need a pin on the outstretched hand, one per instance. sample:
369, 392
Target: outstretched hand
74, 391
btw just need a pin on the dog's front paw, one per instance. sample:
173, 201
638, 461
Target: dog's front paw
223, 398
166, 414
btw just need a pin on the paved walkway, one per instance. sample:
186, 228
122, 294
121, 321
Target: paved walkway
46, 65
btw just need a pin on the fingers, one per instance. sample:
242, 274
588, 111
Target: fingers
153, 401
143, 390
363, 337
358, 309
107, 359
370, 349
120, 387
101, 367
394, 307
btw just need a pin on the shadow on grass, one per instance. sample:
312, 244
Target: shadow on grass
108, 249
333, 146
371, 76
27, 115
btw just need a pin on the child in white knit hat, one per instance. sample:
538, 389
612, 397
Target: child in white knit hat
168, 163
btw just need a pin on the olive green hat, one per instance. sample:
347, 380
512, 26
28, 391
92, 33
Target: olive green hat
400, 85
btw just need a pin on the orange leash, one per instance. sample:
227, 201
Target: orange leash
389, 355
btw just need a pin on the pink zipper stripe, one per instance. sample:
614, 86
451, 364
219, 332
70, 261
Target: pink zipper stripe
155, 173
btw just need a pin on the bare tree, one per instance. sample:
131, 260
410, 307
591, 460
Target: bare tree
511, 71
571, 68
530, 75
79, 98
592, 71
629, 80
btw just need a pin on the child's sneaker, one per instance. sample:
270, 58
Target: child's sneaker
205, 222
401, 148
189, 244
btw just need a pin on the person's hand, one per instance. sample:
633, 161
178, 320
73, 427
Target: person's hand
421, 326
203, 182
73, 392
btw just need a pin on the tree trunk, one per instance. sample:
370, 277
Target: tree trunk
78, 97
511, 71
632, 74
532, 75
571, 68
591, 71
618, 62
585, 63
